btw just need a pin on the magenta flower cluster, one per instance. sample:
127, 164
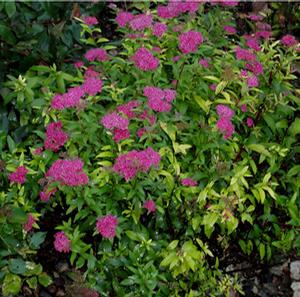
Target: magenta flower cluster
19, 176
107, 225
55, 137
224, 123
144, 60
189, 182
129, 164
175, 8
96, 54
159, 99
150, 205
61, 242
68, 172
190, 41
29, 224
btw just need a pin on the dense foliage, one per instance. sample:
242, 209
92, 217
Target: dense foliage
155, 157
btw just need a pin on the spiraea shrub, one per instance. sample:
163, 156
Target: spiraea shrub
156, 155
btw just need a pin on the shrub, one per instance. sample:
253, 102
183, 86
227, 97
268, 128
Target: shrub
159, 159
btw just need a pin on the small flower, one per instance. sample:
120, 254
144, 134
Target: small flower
213, 87
96, 54
19, 176
224, 111
141, 22
255, 17
253, 43
289, 40
190, 41
92, 86
159, 29
159, 99
243, 108
250, 122
255, 67
30, 221
90, 20
263, 34
244, 54
244, 73
189, 182
45, 194
226, 127
150, 205
38, 151
61, 242
78, 64
129, 164
123, 18
120, 134
68, 172
114, 120
55, 137
230, 29
252, 81
107, 225
204, 63
144, 60
69, 99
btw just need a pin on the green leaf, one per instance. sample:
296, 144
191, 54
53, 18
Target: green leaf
32, 282
17, 266
37, 239
132, 235
45, 280
259, 148
7, 35
262, 250
11, 285
295, 170
11, 144
173, 245
295, 127
169, 259
10, 8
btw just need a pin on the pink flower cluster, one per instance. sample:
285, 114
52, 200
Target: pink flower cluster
224, 123
252, 81
150, 205
159, 29
19, 176
117, 123
255, 17
289, 40
141, 22
45, 194
123, 18
175, 8
230, 29
68, 172
30, 221
255, 67
113, 121
189, 182
253, 43
159, 99
92, 86
204, 63
96, 54
244, 54
190, 41
107, 225
61, 242
55, 137
69, 99
129, 164
90, 20
144, 60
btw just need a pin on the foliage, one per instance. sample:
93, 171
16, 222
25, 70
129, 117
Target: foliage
245, 188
